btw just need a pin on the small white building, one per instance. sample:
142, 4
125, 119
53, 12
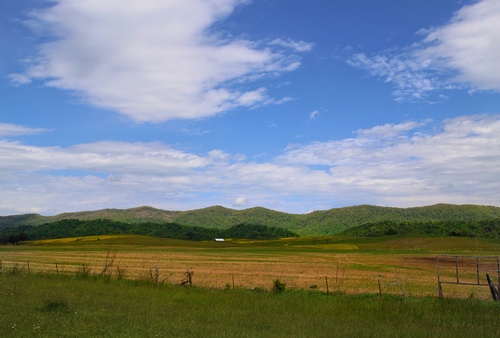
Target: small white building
218, 240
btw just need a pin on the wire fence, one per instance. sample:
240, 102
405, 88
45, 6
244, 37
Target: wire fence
457, 274
468, 271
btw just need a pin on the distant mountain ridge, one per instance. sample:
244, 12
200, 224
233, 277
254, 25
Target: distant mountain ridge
325, 222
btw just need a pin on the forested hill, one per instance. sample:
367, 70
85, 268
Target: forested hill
345, 218
327, 222
482, 229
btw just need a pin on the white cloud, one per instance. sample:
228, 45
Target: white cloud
463, 53
299, 46
457, 164
154, 60
240, 202
313, 114
253, 97
133, 158
408, 164
9, 130
390, 130
19, 79
469, 44
413, 80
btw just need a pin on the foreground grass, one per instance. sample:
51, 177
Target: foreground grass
64, 306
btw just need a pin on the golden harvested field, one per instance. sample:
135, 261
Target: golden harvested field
398, 266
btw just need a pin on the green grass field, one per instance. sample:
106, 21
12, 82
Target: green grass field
65, 306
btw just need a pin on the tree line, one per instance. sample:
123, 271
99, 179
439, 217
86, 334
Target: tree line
480, 228
79, 228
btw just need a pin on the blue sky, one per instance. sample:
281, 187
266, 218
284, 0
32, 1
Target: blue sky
291, 105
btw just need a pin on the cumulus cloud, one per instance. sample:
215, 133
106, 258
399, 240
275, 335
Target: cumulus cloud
408, 164
154, 60
463, 53
240, 202
468, 44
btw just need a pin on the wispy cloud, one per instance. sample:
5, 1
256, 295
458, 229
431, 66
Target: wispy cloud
463, 53
153, 61
313, 115
413, 163
413, 80
101, 157
390, 130
299, 46
9, 130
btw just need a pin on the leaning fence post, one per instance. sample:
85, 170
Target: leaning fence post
493, 289
379, 288
327, 291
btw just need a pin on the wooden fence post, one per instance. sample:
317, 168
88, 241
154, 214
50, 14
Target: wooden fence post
498, 272
440, 289
477, 270
327, 290
157, 275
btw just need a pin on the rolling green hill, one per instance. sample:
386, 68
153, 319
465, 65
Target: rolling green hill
327, 222
220, 217
133, 215
16, 220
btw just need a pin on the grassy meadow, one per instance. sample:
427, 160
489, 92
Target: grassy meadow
69, 306
128, 285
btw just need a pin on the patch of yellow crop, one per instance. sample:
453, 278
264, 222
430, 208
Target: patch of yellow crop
75, 239
341, 246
